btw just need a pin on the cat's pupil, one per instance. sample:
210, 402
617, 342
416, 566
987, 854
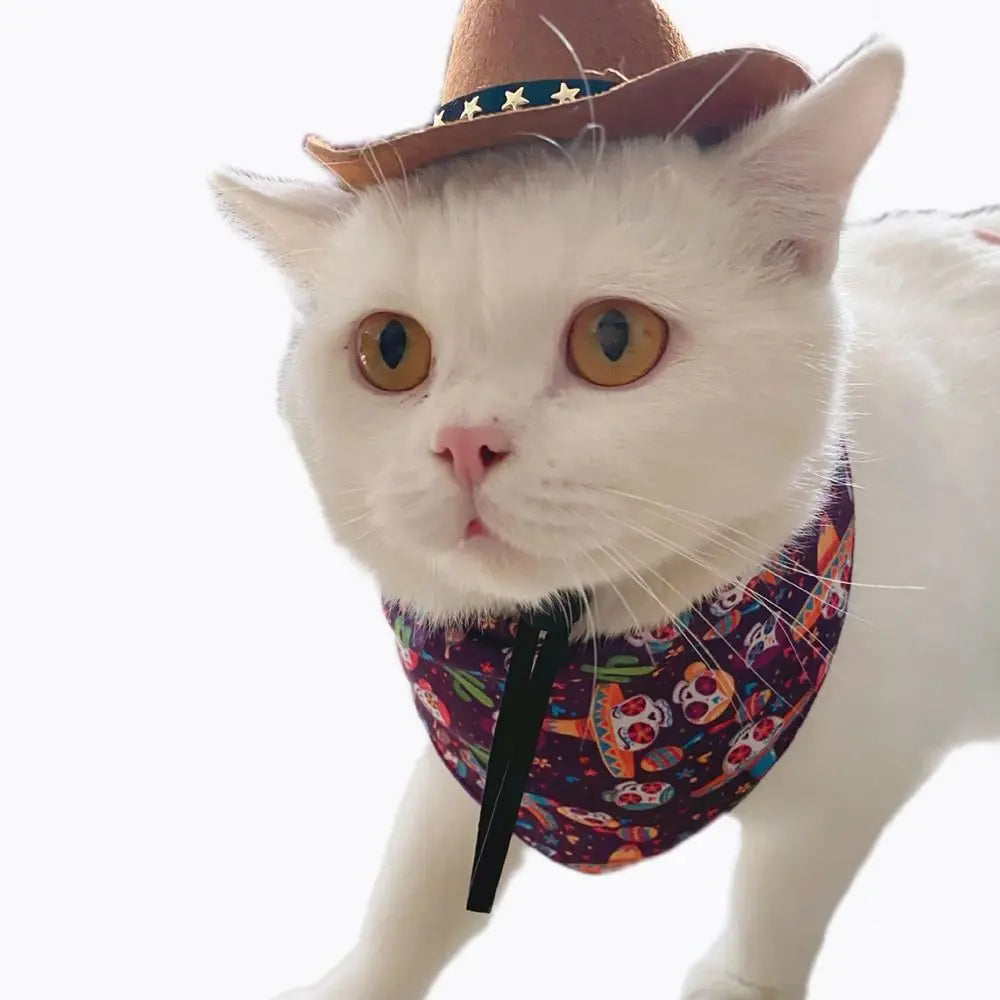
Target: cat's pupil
392, 343
612, 334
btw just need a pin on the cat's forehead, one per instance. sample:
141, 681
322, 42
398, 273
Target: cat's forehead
490, 256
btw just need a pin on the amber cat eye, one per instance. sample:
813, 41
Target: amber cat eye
614, 342
394, 351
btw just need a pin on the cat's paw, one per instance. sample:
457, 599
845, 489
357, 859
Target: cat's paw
346, 982
331, 991
707, 983
360, 978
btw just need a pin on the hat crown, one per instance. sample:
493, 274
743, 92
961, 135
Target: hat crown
506, 41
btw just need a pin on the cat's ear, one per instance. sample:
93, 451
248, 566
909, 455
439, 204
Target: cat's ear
797, 166
289, 220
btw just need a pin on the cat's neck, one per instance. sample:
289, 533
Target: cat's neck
654, 595
659, 592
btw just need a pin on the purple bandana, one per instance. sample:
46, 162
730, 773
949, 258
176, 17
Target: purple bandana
658, 733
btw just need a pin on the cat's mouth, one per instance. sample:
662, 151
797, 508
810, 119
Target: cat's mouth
476, 529
478, 534
481, 539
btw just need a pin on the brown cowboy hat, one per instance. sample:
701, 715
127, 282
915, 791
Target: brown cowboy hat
521, 69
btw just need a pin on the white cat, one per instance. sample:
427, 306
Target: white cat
779, 348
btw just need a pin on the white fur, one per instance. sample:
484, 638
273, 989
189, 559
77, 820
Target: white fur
779, 348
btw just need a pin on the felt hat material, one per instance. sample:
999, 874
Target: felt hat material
520, 69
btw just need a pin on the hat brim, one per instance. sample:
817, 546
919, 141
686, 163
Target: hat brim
620, 763
723, 90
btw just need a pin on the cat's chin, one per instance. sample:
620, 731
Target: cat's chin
488, 572
489, 563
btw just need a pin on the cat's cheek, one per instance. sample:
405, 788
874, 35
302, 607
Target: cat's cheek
428, 526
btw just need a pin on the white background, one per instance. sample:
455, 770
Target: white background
195, 778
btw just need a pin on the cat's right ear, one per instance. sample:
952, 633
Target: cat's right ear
291, 221
796, 167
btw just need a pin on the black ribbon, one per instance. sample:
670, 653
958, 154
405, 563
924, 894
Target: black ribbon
541, 647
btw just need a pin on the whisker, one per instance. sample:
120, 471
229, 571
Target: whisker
591, 626
595, 129
611, 584
404, 176
769, 563
296, 253
367, 533
711, 90
548, 140
689, 635
639, 628
370, 157
352, 520
743, 660
695, 607
346, 491
693, 557
731, 529
625, 604
783, 616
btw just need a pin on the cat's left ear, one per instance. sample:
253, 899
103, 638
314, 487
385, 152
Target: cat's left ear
796, 167
291, 221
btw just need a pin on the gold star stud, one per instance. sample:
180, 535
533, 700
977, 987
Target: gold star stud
515, 99
439, 118
565, 94
472, 109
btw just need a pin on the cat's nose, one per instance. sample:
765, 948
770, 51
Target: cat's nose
472, 451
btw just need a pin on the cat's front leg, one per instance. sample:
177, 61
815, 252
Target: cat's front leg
416, 920
805, 833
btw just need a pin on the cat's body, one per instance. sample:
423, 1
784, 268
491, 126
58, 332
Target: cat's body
772, 365
924, 289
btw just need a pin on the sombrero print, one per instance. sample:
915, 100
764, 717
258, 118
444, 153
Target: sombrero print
620, 725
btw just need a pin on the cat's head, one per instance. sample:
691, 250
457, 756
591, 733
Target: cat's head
457, 328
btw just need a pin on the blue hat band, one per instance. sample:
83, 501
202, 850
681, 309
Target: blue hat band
513, 97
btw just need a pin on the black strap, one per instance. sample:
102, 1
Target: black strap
540, 649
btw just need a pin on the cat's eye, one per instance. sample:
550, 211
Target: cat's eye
394, 351
615, 341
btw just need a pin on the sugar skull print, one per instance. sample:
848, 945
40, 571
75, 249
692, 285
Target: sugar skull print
405, 642
704, 694
453, 637
637, 721
835, 600
752, 748
752, 743
762, 643
436, 708
728, 598
658, 639
639, 795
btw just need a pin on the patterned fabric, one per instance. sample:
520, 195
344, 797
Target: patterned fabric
655, 734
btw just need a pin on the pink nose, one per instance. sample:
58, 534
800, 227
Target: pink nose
472, 451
